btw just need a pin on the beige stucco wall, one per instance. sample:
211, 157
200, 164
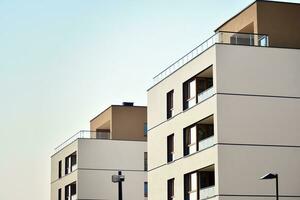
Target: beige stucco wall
160, 128
158, 177
258, 70
66, 179
240, 168
96, 184
97, 160
157, 94
111, 154
157, 137
271, 72
269, 117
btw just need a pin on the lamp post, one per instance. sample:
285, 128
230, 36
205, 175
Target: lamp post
119, 179
272, 176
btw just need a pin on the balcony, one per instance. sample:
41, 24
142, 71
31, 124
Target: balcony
83, 134
198, 88
200, 184
199, 136
233, 38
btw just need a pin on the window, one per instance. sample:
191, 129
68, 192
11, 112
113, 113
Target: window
194, 88
189, 92
70, 191
170, 103
190, 140
145, 189
59, 194
70, 163
171, 189
59, 169
199, 184
194, 136
145, 129
170, 148
191, 186
145, 161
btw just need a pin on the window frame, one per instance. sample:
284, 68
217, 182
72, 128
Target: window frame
170, 151
186, 85
59, 194
196, 124
171, 189
170, 104
60, 169
145, 161
145, 189
70, 161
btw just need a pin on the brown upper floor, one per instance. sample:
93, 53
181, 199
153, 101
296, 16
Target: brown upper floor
121, 122
279, 20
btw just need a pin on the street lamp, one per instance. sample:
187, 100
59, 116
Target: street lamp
118, 179
272, 176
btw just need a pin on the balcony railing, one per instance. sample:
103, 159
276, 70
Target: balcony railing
73, 197
207, 142
207, 192
205, 94
83, 134
233, 38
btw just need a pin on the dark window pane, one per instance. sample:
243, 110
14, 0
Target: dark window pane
170, 148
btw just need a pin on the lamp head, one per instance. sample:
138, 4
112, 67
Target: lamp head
269, 176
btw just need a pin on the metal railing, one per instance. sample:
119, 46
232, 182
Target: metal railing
221, 37
83, 134
207, 192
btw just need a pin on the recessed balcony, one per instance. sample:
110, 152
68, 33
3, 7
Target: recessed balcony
198, 88
199, 136
200, 184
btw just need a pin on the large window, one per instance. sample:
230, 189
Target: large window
70, 163
170, 148
196, 134
145, 189
190, 140
60, 169
171, 189
199, 184
170, 103
191, 186
194, 89
70, 192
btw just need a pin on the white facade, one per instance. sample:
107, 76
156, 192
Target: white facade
97, 161
255, 106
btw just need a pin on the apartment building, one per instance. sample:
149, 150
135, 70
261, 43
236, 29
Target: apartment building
82, 166
228, 112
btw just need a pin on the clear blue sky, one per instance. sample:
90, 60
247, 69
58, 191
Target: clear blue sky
63, 61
